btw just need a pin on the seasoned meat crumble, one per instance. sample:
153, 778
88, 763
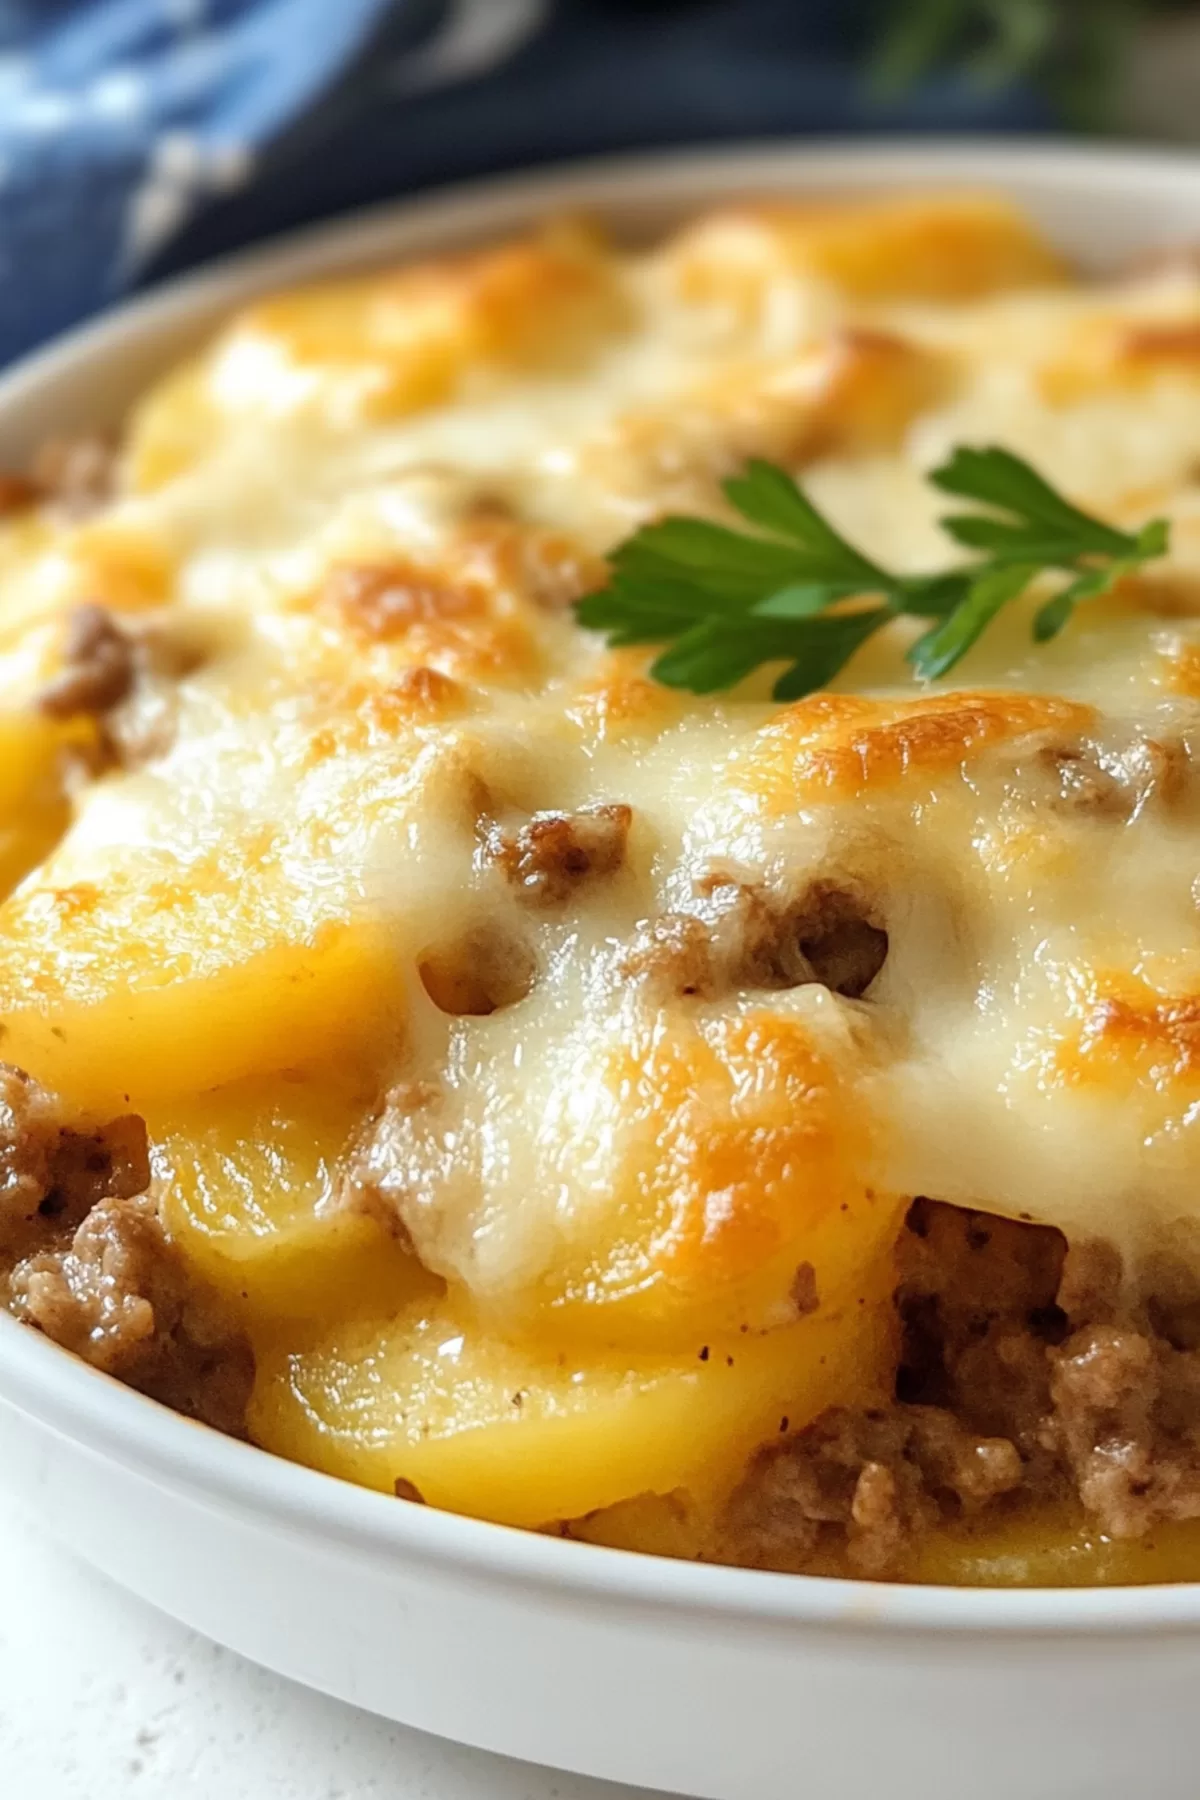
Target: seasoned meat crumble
741, 936
98, 667
84, 1258
552, 857
1027, 1376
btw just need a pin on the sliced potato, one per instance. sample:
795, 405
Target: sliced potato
1055, 1547
126, 990
250, 1196
34, 810
734, 1153
525, 1434
676, 1525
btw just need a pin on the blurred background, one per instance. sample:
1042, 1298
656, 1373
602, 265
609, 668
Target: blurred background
138, 137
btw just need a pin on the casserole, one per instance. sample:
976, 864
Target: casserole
754, 1739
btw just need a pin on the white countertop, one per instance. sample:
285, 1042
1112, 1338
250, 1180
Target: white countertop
102, 1698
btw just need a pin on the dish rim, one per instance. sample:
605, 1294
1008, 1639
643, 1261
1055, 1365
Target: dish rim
116, 1423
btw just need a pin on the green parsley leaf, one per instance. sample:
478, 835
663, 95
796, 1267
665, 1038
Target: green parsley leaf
829, 644
1000, 479
768, 497
726, 602
1075, 50
941, 648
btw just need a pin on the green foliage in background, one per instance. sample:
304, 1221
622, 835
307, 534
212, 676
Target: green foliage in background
1071, 48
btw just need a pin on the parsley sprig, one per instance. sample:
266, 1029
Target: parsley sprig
725, 602
1075, 50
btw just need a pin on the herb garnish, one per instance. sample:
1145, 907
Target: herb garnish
1075, 50
725, 602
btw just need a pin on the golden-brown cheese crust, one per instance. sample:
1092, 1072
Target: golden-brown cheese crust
934, 247
837, 746
378, 347
653, 1110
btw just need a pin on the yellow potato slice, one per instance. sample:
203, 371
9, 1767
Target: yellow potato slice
737, 1196
1052, 1547
126, 990
250, 1195
526, 1434
1055, 1547
34, 811
676, 1525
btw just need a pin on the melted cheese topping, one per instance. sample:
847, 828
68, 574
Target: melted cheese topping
369, 504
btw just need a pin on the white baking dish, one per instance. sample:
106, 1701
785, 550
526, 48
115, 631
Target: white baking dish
715, 1682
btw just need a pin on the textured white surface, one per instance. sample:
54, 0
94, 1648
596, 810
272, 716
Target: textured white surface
102, 1698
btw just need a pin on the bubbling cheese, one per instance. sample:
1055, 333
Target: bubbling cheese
571, 928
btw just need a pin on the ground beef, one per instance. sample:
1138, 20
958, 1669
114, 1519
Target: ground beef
978, 1305
844, 948
84, 1258
552, 857
98, 667
1027, 1375
30, 1128
870, 1481
120, 1297
126, 679
107, 1294
143, 724
1126, 1424
52, 1174
740, 936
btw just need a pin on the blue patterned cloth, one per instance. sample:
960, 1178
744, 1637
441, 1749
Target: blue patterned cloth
139, 136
